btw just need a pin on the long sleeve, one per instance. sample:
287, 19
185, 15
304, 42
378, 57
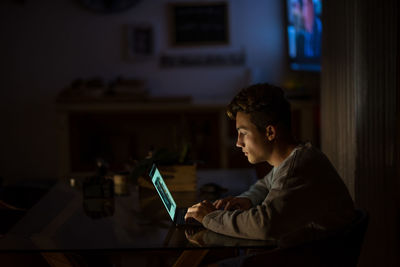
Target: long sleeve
257, 191
251, 224
306, 199
269, 220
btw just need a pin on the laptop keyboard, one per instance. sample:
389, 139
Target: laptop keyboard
180, 216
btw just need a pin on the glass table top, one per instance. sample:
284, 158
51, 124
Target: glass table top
65, 220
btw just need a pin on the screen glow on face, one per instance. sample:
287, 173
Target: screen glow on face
164, 193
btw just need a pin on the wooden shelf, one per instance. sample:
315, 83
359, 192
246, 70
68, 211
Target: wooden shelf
119, 132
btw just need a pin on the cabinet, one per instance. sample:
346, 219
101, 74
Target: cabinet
122, 132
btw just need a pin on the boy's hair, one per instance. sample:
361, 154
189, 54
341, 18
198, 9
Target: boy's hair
266, 104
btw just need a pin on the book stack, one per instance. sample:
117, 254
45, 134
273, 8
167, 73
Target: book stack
179, 178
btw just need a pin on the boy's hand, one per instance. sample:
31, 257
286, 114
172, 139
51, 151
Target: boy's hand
200, 210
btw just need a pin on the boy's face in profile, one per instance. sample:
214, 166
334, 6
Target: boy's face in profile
253, 143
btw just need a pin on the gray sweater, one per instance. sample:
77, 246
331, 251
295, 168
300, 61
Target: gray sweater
300, 200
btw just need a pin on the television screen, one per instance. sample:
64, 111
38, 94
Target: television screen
304, 31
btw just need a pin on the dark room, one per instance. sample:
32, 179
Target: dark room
199, 133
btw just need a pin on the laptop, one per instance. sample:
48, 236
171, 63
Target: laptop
177, 214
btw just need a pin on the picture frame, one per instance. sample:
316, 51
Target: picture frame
198, 23
139, 41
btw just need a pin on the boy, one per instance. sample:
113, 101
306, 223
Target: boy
302, 198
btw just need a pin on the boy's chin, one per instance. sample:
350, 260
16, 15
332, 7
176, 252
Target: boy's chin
254, 161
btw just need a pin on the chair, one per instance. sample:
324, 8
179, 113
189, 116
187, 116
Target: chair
342, 249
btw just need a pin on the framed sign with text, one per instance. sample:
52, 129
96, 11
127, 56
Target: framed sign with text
203, 23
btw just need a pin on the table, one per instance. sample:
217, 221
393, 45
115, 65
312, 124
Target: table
59, 222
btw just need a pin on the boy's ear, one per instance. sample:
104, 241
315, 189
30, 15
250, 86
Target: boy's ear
270, 132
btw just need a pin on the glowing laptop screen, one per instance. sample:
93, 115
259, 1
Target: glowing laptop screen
163, 191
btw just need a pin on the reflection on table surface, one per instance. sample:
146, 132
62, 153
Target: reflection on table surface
204, 238
63, 220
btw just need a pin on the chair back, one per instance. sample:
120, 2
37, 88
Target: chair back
344, 248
